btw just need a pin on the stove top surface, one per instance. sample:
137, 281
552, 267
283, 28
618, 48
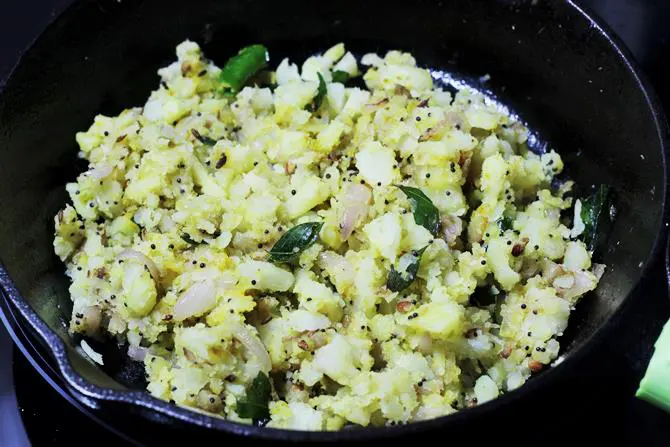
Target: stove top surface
594, 403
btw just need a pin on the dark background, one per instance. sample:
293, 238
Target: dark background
596, 401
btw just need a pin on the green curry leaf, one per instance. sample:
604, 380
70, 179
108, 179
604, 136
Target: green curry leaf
596, 216
207, 141
314, 105
295, 241
425, 213
255, 404
400, 280
341, 76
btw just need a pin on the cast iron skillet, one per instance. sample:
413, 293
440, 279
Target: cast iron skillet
548, 60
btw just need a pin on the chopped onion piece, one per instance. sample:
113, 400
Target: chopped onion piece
136, 255
564, 281
95, 356
551, 270
599, 270
356, 204
452, 227
198, 299
137, 353
253, 345
583, 282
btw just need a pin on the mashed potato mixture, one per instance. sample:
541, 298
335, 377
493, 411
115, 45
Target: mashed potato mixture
305, 254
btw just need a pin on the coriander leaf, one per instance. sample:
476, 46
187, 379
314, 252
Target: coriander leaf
341, 76
314, 105
241, 67
401, 279
295, 241
202, 138
425, 213
596, 210
255, 404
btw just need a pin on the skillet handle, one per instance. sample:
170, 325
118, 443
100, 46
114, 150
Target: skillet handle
655, 385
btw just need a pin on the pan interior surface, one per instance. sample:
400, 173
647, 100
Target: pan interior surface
546, 61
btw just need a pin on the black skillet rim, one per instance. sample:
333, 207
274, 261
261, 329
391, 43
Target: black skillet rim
144, 400
35, 356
